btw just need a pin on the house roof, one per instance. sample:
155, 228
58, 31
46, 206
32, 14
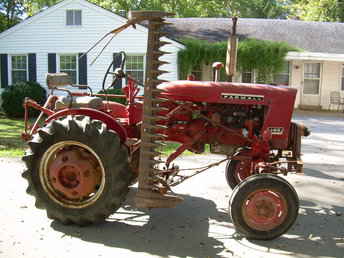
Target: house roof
325, 37
47, 11
320, 37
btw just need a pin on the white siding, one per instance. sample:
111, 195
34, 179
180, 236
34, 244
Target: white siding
296, 79
330, 82
47, 33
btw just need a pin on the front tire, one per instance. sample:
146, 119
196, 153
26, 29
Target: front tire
77, 170
237, 170
263, 207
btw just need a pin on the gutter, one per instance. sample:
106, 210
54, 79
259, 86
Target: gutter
314, 56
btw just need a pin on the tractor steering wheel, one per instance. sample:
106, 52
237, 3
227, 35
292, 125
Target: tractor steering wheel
118, 73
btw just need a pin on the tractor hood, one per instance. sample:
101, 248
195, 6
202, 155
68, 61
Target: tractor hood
230, 93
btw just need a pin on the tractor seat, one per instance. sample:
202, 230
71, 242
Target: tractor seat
78, 102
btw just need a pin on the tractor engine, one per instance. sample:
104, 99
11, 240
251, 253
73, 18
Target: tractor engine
224, 126
229, 116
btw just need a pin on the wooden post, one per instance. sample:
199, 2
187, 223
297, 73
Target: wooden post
231, 56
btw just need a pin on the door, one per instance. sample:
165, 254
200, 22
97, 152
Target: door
311, 91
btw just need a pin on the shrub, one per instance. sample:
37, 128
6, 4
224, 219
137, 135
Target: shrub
13, 98
267, 57
116, 92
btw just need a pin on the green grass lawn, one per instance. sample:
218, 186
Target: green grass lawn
11, 143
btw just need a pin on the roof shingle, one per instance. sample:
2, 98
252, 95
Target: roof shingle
325, 37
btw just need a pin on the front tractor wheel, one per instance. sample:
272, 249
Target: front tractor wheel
238, 169
77, 170
263, 207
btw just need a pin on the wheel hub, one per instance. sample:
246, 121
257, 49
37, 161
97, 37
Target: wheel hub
243, 170
73, 174
265, 210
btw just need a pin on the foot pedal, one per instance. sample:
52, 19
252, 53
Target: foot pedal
150, 199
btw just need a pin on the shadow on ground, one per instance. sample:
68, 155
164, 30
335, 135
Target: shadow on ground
318, 232
181, 231
319, 172
185, 231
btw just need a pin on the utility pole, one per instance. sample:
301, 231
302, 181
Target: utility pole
232, 46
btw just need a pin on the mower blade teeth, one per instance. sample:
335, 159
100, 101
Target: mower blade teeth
160, 109
159, 81
163, 43
151, 137
159, 100
153, 126
157, 136
157, 23
155, 162
161, 53
158, 91
151, 153
156, 118
159, 72
158, 62
160, 34
151, 144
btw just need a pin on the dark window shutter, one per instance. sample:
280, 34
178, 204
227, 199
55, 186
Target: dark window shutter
51, 63
69, 17
32, 67
82, 69
117, 59
4, 70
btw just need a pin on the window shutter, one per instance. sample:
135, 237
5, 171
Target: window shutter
117, 63
82, 69
69, 17
51, 63
32, 67
4, 70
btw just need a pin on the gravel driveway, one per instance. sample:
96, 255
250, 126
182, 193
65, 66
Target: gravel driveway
200, 226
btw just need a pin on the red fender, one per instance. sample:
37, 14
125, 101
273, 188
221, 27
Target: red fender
94, 114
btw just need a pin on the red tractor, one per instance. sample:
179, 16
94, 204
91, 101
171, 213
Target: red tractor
84, 151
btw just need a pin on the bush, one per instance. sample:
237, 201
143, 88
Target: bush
116, 92
13, 98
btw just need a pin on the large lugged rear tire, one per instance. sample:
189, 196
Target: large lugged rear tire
263, 207
77, 170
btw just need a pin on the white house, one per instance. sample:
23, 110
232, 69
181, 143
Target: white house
316, 71
54, 39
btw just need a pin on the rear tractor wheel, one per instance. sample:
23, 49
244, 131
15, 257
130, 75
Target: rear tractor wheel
263, 207
77, 170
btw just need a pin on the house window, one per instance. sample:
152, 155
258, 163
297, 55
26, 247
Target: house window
68, 64
311, 78
73, 17
197, 72
282, 78
342, 78
135, 67
247, 76
19, 68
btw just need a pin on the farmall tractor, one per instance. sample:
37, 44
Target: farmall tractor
84, 152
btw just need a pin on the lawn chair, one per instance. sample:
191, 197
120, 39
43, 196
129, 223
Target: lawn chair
336, 99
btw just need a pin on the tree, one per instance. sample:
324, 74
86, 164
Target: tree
318, 10
258, 8
10, 10
182, 8
31, 7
